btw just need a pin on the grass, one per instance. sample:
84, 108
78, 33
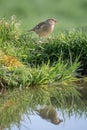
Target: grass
24, 61
42, 75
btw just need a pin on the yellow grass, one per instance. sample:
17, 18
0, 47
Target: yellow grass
9, 61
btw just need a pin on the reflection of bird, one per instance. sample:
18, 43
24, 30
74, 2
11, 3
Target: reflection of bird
50, 114
44, 28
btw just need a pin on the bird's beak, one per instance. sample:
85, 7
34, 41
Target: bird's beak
56, 21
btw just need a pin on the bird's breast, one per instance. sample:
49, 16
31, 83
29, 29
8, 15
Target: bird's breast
44, 31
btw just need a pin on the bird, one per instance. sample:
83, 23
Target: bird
44, 28
49, 113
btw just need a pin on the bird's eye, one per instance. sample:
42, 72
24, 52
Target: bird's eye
37, 27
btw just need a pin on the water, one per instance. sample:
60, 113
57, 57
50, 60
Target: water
74, 118
35, 122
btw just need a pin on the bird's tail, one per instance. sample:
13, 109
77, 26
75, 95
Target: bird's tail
27, 32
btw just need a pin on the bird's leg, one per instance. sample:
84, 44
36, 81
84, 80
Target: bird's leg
40, 40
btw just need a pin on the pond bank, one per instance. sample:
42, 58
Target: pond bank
55, 59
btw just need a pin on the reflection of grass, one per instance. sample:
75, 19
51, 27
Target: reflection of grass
15, 103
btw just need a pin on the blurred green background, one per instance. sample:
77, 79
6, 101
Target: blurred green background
69, 13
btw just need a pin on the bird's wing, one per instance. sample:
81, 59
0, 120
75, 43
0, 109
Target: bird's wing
39, 26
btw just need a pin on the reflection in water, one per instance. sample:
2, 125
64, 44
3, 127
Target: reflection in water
16, 103
82, 88
37, 123
50, 113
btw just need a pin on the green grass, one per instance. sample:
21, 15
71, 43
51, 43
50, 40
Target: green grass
24, 61
41, 75
27, 63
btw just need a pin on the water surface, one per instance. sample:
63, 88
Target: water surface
35, 122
